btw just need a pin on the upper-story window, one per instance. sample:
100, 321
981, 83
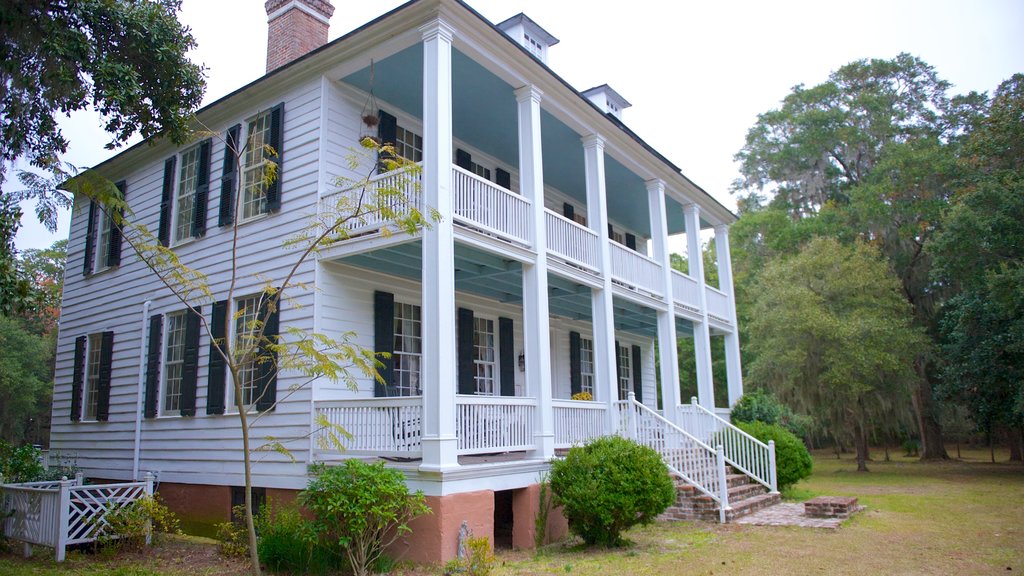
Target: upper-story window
254, 197
102, 240
587, 366
184, 206
480, 171
408, 352
625, 372
484, 358
408, 144
174, 363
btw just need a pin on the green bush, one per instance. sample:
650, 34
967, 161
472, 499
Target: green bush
792, 460
609, 485
762, 406
360, 509
20, 463
288, 542
125, 527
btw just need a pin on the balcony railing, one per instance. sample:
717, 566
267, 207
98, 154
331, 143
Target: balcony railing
685, 291
636, 271
494, 423
398, 191
491, 209
384, 426
575, 243
718, 303
577, 421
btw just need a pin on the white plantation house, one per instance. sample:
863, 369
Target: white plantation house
548, 274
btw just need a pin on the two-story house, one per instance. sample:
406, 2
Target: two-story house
547, 275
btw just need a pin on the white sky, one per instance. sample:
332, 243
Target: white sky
697, 73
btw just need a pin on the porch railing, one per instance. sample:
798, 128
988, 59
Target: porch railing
576, 243
742, 451
577, 421
635, 270
685, 455
384, 426
494, 423
686, 291
718, 303
492, 209
398, 191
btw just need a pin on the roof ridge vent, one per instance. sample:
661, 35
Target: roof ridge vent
529, 35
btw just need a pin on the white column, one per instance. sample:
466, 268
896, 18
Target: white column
536, 331
606, 376
439, 344
733, 370
669, 360
701, 331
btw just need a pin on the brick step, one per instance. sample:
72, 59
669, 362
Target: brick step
748, 506
746, 496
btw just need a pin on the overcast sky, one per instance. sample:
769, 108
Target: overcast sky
697, 73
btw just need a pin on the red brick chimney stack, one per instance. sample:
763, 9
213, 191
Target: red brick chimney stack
295, 28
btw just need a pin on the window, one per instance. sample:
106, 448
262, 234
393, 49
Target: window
408, 349
184, 206
174, 363
408, 144
90, 408
480, 171
625, 373
246, 314
534, 47
483, 356
587, 366
254, 196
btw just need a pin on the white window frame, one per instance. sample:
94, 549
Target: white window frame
173, 362
190, 169
408, 364
625, 370
408, 144
90, 387
102, 239
253, 199
587, 366
248, 373
485, 371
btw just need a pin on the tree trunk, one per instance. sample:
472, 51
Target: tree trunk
1013, 438
928, 424
860, 441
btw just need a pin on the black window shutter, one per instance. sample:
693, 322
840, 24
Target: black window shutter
218, 368
387, 133
638, 379
273, 190
618, 369
568, 211
156, 334
90, 239
507, 356
202, 196
575, 364
503, 178
267, 369
630, 241
228, 177
166, 201
384, 340
103, 386
611, 231
77, 379
463, 159
467, 371
113, 255
190, 368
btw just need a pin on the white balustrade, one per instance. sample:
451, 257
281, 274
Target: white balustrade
384, 197
635, 270
686, 291
718, 303
572, 241
494, 423
382, 426
742, 451
577, 421
489, 208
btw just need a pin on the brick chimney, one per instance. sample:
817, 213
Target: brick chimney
295, 28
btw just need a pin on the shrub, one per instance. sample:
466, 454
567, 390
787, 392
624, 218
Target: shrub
762, 406
609, 485
360, 509
20, 463
288, 542
479, 560
232, 539
126, 527
792, 460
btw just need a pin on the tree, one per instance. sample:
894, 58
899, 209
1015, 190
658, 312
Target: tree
124, 58
24, 378
43, 269
833, 338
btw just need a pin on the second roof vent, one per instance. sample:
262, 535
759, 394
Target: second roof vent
607, 100
529, 34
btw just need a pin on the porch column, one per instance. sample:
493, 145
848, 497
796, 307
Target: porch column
536, 331
733, 371
701, 331
606, 377
439, 344
669, 360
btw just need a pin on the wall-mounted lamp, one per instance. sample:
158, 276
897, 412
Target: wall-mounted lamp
522, 361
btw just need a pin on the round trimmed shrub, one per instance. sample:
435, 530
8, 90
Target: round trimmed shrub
792, 460
609, 485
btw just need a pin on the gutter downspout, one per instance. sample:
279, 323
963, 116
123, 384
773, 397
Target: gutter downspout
142, 386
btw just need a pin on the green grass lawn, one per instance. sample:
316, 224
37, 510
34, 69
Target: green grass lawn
956, 517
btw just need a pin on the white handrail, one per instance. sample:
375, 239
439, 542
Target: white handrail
636, 270
572, 241
685, 291
343, 202
494, 210
718, 303
577, 421
742, 451
494, 423
382, 426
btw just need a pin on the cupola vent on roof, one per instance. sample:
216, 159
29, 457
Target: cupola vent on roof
607, 100
529, 35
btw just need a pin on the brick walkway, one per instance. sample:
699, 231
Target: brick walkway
789, 515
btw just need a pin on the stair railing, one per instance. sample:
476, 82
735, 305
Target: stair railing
685, 455
742, 451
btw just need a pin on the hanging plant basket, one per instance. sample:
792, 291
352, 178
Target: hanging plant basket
369, 115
